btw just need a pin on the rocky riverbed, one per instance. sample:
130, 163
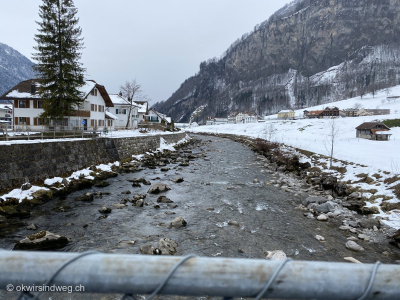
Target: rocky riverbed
222, 200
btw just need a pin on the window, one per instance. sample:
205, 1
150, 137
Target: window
93, 92
40, 104
22, 104
92, 107
22, 120
116, 111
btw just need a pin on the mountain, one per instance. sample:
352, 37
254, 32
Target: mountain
14, 67
310, 52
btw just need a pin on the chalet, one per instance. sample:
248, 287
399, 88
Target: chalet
330, 112
373, 131
315, 114
120, 111
286, 115
28, 106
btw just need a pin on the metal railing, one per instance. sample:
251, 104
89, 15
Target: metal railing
193, 276
27, 132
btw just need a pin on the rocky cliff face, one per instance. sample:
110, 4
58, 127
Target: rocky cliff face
14, 67
309, 52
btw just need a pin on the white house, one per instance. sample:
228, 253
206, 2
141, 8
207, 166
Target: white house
28, 107
121, 112
154, 116
5, 114
143, 110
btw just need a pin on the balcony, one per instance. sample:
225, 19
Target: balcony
80, 113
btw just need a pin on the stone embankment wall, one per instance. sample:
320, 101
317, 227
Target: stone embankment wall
35, 162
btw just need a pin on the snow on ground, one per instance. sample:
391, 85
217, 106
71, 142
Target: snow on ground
86, 173
362, 156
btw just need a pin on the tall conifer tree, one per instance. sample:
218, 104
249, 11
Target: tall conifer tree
58, 54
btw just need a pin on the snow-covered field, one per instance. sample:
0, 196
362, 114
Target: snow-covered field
369, 157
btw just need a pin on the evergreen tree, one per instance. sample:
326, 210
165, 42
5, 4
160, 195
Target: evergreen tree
58, 53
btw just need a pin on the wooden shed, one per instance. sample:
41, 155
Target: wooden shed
373, 131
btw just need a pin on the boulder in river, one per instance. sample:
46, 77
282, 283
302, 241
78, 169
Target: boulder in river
43, 240
149, 250
105, 210
178, 222
177, 180
354, 246
87, 197
167, 246
158, 188
163, 199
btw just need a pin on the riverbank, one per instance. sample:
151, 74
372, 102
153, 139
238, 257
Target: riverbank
234, 202
377, 188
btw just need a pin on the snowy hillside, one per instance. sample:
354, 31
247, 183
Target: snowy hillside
368, 157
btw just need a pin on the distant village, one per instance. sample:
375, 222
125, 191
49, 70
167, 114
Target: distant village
102, 111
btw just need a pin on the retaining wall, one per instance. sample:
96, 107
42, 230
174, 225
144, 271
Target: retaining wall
35, 162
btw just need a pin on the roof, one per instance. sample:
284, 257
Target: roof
162, 116
111, 116
143, 107
371, 125
315, 112
285, 111
119, 100
23, 91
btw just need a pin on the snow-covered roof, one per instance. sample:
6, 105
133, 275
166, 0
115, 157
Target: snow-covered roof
285, 111
142, 108
118, 100
20, 95
111, 116
87, 88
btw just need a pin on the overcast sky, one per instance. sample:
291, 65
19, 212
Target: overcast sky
159, 42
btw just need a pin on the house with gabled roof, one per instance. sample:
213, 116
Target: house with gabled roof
121, 112
28, 106
373, 131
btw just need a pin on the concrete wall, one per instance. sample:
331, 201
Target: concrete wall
37, 161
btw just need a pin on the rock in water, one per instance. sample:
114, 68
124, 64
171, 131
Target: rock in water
87, 197
163, 199
320, 238
148, 249
276, 255
177, 180
158, 188
105, 210
167, 246
322, 217
43, 240
354, 246
178, 222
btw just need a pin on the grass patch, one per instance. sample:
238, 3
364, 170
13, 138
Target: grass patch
341, 170
396, 191
377, 176
364, 178
391, 179
385, 198
392, 123
305, 152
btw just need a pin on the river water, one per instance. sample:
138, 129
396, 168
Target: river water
218, 190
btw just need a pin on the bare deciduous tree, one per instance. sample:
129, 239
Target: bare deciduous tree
331, 140
358, 105
131, 91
